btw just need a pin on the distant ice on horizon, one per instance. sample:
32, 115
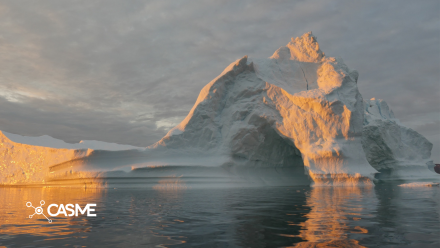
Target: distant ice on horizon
420, 184
48, 141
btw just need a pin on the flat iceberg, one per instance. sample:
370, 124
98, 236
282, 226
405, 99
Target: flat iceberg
420, 184
27, 160
296, 117
48, 141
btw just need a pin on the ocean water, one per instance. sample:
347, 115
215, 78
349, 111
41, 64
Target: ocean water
182, 216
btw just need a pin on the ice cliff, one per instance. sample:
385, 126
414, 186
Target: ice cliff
297, 110
28, 159
22, 163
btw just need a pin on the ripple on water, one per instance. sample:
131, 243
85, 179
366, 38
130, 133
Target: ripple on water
385, 215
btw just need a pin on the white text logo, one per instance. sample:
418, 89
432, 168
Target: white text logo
66, 210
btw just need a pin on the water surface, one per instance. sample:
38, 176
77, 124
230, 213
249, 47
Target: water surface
382, 216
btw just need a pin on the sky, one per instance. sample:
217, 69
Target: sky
128, 71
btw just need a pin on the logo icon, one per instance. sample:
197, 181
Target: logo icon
38, 210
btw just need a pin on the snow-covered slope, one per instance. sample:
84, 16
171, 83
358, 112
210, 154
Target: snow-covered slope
296, 113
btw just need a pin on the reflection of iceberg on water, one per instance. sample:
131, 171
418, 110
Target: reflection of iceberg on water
383, 216
336, 216
294, 118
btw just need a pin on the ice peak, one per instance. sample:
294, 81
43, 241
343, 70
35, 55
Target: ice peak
238, 65
304, 49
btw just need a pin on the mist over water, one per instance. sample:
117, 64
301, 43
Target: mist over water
170, 216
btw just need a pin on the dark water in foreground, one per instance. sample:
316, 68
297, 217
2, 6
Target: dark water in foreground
382, 216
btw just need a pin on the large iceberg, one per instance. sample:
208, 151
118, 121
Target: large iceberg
295, 115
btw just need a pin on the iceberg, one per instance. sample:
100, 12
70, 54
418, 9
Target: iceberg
26, 160
420, 184
48, 141
396, 151
296, 117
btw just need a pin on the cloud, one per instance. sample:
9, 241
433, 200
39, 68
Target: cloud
127, 71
